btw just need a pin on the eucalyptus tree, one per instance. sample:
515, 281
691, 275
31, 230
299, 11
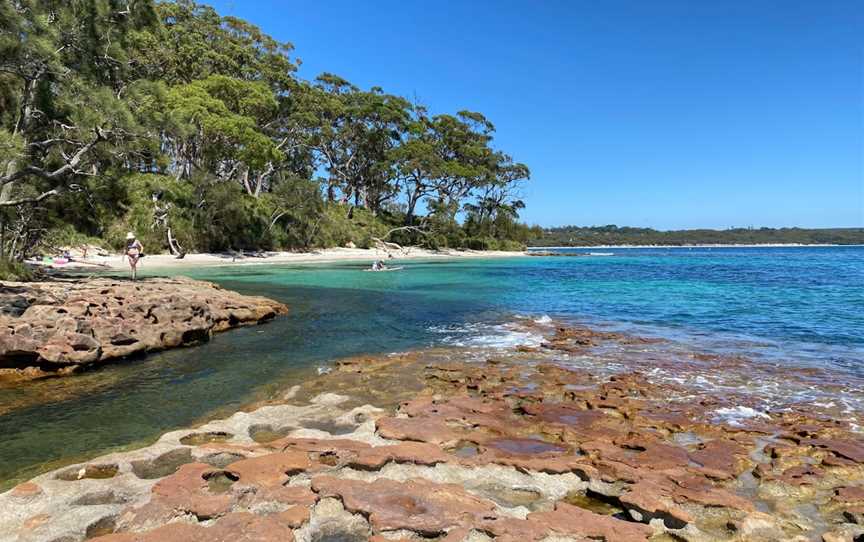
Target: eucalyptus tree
445, 158
213, 126
192, 41
351, 132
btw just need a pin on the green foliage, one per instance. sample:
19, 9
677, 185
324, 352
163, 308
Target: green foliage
192, 130
65, 236
337, 229
15, 271
136, 196
490, 243
191, 41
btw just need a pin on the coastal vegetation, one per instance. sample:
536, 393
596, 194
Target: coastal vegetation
614, 235
194, 130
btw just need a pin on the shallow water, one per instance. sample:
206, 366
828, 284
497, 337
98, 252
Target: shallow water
779, 306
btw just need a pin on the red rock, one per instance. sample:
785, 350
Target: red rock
572, 520
300, 498
419, 453
69, 329
653, 501
424, 507
236, 527
185, 491
420, 429
320, 445
849, 449
271, 470
850, 494
26, 490
722, 456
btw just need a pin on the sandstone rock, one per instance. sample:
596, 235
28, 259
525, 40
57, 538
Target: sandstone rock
271, 470
567, 519
25, 491
235, 527
512, 450
420, 429
69, 324
423, 507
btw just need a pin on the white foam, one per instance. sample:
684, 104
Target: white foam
479, 335
735, 415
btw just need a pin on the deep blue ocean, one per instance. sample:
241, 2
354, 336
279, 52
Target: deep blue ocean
801, 306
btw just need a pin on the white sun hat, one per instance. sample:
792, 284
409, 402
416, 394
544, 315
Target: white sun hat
130, 236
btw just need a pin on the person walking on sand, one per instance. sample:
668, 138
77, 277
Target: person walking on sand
134, 249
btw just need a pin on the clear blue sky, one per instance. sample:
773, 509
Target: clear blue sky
670, 114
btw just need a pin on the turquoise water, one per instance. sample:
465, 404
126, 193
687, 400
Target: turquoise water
796, 306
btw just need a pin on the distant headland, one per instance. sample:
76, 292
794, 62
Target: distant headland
594, 236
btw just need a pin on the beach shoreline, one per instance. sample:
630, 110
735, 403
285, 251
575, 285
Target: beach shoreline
117, 262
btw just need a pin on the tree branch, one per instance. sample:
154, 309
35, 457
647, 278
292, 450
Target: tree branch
34, 199
69, 167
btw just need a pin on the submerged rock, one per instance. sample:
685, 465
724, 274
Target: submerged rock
63, 326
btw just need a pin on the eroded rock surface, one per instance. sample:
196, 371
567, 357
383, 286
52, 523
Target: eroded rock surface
62, 326
520, 447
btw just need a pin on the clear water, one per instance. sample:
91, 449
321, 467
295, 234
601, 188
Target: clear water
797, 306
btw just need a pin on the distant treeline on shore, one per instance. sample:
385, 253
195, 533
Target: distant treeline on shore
615, 235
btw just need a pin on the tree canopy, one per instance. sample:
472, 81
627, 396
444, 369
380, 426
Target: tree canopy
194, 130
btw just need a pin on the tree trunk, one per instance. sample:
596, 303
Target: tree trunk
413, 199
173, 246
2, 237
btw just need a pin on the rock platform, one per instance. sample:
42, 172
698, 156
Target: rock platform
516, 447
67, 325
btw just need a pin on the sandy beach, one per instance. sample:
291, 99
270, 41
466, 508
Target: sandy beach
167, 261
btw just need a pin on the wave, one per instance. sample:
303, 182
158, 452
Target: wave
485, 335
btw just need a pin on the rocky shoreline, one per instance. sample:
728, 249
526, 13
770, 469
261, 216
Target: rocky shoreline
441, 445
67, 325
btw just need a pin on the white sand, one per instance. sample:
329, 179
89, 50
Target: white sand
166, 261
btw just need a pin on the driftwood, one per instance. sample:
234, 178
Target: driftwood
161, 221
388, 246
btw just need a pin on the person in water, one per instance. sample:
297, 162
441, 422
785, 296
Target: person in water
379, 266
134, 250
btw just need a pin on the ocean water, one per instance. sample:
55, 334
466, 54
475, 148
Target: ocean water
795, 307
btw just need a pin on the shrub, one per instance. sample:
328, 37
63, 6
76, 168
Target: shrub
337, 228
66, 236
12, 270
510, 245
480, 243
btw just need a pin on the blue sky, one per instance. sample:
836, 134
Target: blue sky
669, 114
